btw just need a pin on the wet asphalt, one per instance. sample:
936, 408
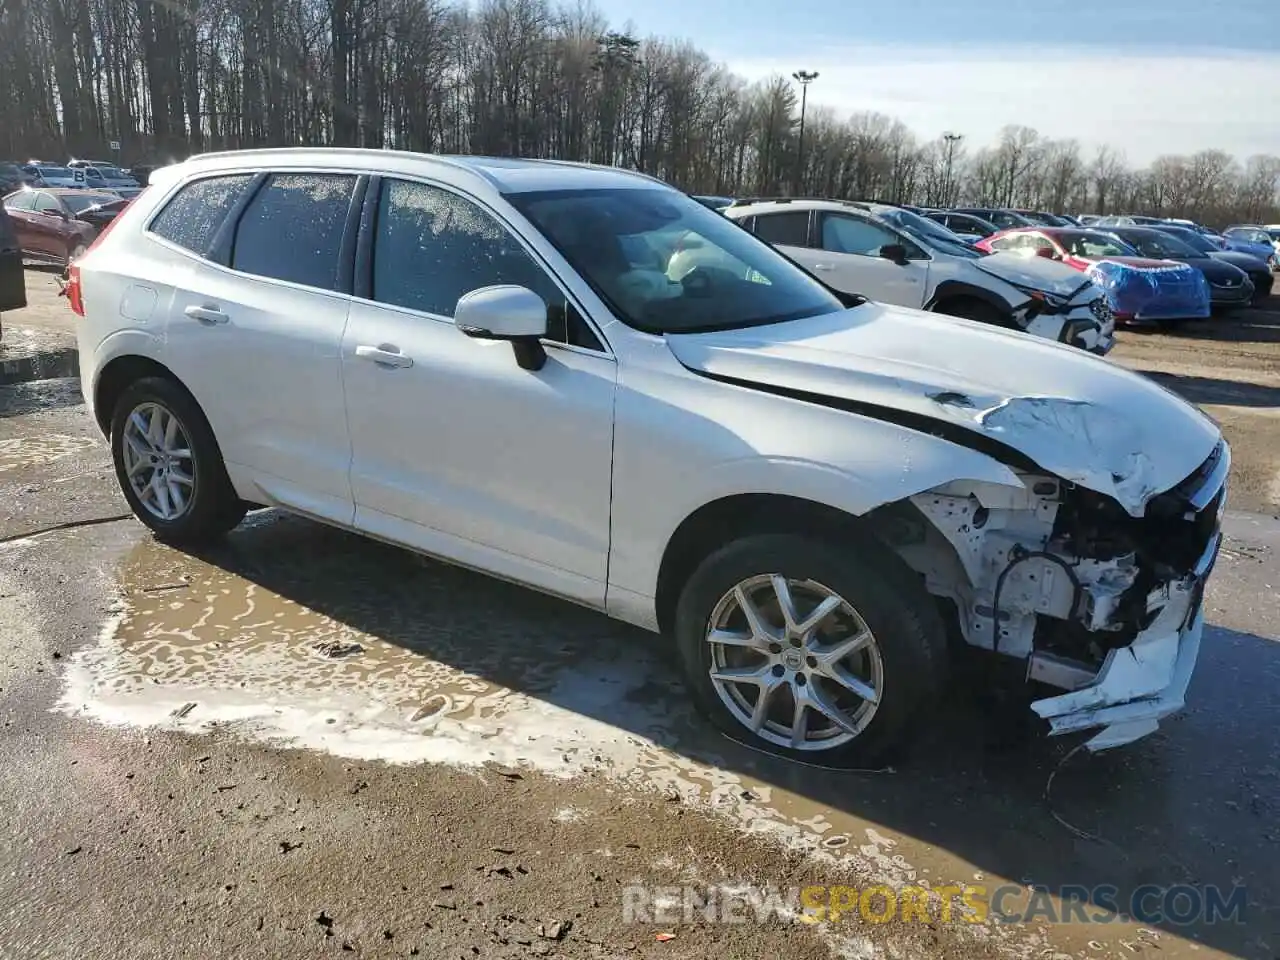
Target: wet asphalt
1197, 804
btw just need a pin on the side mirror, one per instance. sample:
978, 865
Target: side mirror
895, 252
505, 312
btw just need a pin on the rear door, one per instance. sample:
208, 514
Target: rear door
255, 332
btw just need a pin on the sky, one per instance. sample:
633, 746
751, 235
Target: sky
1148, 77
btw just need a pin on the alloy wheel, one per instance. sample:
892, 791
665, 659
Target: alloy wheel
159, 462
794, 662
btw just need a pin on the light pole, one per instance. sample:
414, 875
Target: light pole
804, 78
952, 139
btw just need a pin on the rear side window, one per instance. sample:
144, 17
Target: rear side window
292, 230
791, 229
22, 200
192, 218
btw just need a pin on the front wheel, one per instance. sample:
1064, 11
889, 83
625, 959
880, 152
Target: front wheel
74, 253
809, 651
169, 465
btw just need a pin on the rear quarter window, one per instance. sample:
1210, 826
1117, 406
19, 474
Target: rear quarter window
192, 217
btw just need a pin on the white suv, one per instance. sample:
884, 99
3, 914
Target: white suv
487, 361
892, 255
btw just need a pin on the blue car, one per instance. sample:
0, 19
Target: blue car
1252, 240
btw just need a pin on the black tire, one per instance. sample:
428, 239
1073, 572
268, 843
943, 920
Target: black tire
968, 308
213, 508
885, 593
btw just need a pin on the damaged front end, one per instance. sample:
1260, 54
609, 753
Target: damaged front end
1084, 320
1098, 602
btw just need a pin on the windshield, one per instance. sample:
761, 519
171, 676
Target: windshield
932, 234
1086, 243
111, 173
666, 264
1153, 243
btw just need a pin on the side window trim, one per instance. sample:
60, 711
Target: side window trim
224, 236
366, 245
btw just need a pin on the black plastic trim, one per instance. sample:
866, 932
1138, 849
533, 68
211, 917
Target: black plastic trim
224, 240
343, 281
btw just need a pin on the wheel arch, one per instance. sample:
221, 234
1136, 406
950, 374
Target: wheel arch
728, 518
114, 379
952, 291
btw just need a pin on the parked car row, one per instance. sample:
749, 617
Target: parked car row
97, 175
939, 260
581, 380
893, 255
1150, 273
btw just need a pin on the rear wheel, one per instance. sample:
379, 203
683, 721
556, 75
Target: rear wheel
169, 465
809, 651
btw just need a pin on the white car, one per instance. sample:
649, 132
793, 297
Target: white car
485, 360
855, 248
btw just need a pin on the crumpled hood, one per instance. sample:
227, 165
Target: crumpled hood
1078, 416
1034, 273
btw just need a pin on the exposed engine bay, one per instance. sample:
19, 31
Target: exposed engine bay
1094, 600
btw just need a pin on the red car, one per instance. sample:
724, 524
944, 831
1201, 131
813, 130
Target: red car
56, 226
1077, 248
1181, 292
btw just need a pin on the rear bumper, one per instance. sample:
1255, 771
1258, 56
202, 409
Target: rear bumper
1141, 684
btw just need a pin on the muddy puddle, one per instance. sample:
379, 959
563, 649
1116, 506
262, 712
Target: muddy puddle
28, 354
301, 636
20, 453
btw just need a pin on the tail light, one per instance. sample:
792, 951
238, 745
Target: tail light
73, 290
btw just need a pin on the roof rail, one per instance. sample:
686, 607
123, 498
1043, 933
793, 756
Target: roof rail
747, 201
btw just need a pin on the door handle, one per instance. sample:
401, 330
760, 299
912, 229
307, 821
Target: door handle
209, 313
824, 266
384, 355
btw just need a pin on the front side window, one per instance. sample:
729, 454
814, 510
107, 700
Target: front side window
708, 272
842, 234
47, 204
789, 229
193, 215
292, 229
433, 247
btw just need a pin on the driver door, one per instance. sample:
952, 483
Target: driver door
457, 450
850, 261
